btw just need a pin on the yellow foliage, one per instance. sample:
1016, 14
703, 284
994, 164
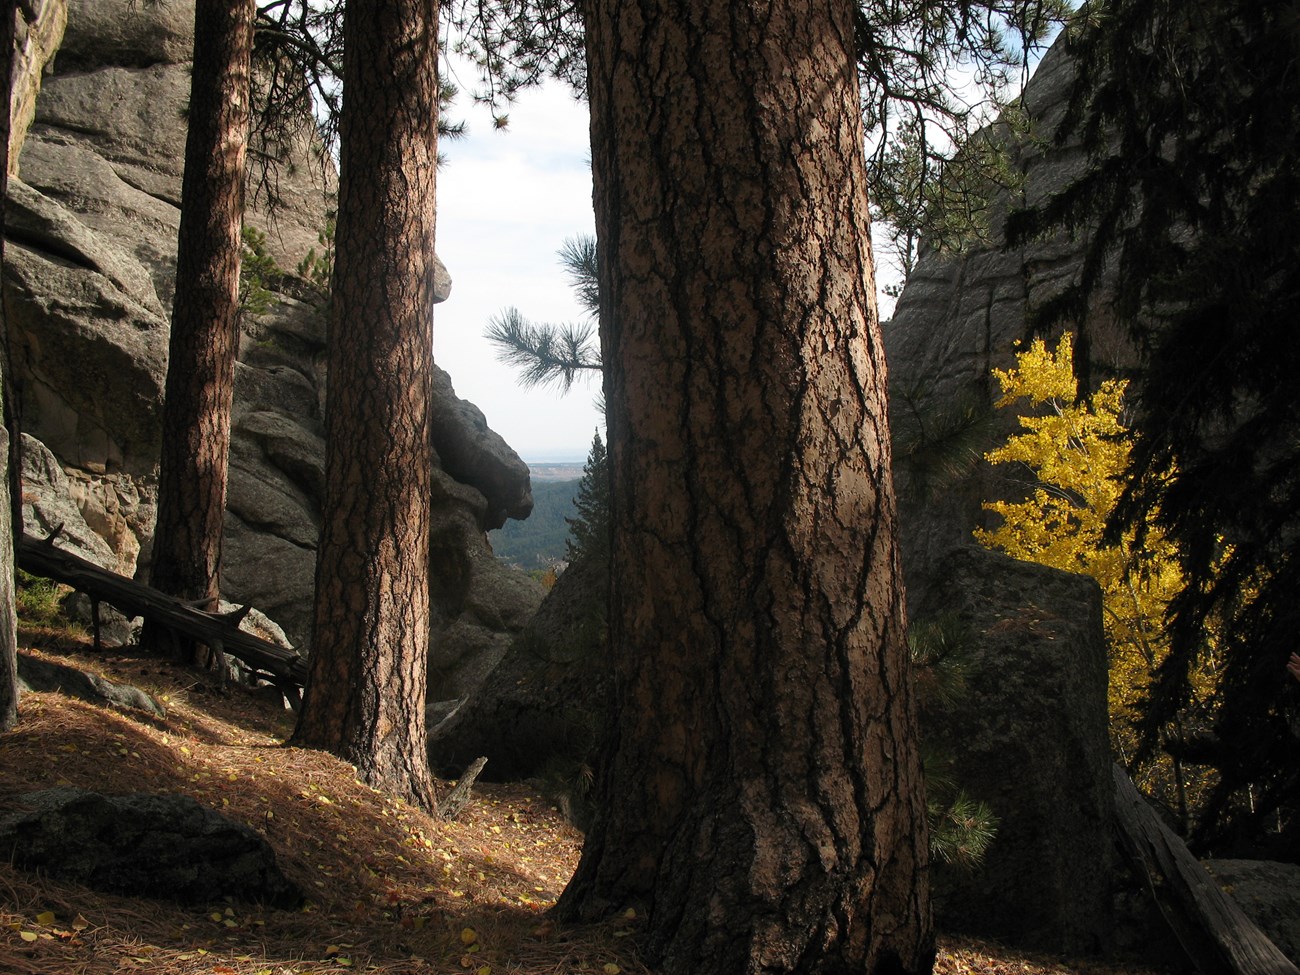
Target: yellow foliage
1078, 450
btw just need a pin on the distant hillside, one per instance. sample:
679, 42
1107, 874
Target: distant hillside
539, 541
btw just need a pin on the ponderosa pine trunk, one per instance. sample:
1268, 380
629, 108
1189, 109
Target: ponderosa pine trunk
204, 339
8, 624
762, 802
366, 692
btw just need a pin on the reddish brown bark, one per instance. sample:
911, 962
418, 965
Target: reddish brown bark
763, 801
205, 315
366, 691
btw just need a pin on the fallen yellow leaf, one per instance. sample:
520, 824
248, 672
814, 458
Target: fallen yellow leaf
468, 936
45, 917
28, 935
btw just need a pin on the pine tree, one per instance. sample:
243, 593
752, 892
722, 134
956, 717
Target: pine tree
762, 797
205, 320
589, 531
548, 353
366, 692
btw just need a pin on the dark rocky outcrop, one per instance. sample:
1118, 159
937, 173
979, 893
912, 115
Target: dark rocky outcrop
42, 675
1028, 737
541, 709
91, 250
39, 33
164, 846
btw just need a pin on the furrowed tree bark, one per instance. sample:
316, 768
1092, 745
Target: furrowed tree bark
205, 319
366, 690
762, 799
8, 623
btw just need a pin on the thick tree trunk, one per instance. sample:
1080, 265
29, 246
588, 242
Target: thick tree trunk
365, 695
763, 800
8, 624
205, 315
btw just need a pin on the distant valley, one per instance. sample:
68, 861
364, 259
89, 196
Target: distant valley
539, 542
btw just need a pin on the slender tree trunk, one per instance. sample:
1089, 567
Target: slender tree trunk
8, 624
763, 799
205, 315
366, 692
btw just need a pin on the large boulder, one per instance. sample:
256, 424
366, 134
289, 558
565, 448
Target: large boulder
89, 338
473, 453
1028, 737
46, 675
36, 42
164, 846
479, 604
55, 511
541, 710
1268, 893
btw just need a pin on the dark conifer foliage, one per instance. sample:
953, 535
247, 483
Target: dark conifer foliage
589, 531
906, 51
1192, 114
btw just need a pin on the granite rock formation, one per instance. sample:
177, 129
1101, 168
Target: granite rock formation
163, 846
91, 245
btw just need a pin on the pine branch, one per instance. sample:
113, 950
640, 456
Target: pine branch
545, 353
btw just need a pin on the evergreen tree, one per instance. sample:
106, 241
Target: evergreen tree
762, 795
365, 695
589, 531
204, 336
1191, 112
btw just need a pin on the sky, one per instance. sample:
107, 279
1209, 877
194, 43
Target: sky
507, 200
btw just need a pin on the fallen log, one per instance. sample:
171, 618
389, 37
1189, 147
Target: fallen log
1216, 935
286, 669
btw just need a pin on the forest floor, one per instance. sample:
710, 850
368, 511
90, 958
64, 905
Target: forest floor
391, 889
